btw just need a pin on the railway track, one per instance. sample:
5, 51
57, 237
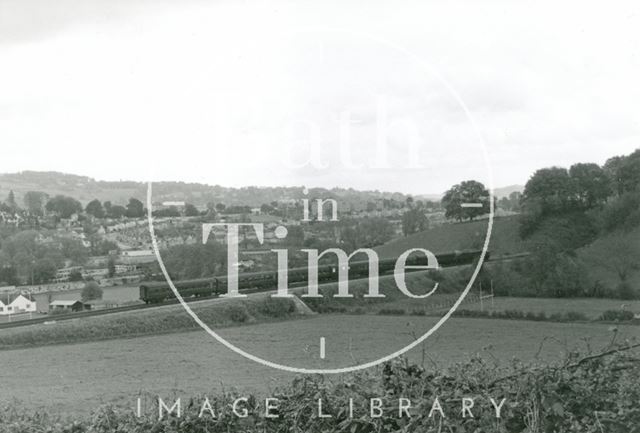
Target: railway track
93, 313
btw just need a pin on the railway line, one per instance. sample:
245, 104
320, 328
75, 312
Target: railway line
52, 319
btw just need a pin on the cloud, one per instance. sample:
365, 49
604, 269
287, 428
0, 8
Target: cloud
218, 91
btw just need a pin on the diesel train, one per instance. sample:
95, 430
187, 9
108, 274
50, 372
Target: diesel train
156, 292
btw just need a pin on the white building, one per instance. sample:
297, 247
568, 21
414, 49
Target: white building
20, 304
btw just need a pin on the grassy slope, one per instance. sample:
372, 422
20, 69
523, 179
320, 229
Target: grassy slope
606, 274
467, 235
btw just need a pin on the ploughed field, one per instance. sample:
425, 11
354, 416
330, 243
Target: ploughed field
75, 378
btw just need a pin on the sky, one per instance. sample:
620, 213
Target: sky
409, 96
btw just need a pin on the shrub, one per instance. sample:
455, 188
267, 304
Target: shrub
392, 312
274, 307
237, 313
575, 316
556, 317
616, 316
625, 291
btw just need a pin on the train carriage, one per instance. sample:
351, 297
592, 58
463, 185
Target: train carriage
205, 287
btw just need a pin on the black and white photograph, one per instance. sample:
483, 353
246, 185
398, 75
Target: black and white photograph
270, 216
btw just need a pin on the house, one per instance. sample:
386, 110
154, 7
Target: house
68, 306
100, 304
16, 304
134, 257
64, 274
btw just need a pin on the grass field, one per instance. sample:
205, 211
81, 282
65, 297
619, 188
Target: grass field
467, 235
76, 378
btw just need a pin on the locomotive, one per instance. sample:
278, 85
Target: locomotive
157, 292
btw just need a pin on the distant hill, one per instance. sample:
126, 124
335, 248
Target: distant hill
86, 189
460, 236
507, 190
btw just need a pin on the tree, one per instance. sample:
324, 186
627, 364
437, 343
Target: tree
266, 209
195, 261
8, 276
75, 276
220, 207
117, 212
612, 170
64, 206
469, 191
135, 208
551, 190
11, 201
34, 202
95, 209
629, 172
590, 184
617, 253
111, 266
414, 221
624, 172
190, 210
74, 250
368, 233
44, 271
170, 212
91, 291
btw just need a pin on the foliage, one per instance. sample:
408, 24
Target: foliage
111, 267
511, 203
190, 210
91, 291
115, 211
95, 209
237, 313
195, 261
617, 316
135, 209
414, 220
469, 191
278, 308
34, 202
169, 212
615, 252
588, 393
367, 233
568, 316
590, 184
624, 172
64, 206
621, 212
37, 260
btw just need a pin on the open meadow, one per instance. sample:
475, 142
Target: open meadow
78, 377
